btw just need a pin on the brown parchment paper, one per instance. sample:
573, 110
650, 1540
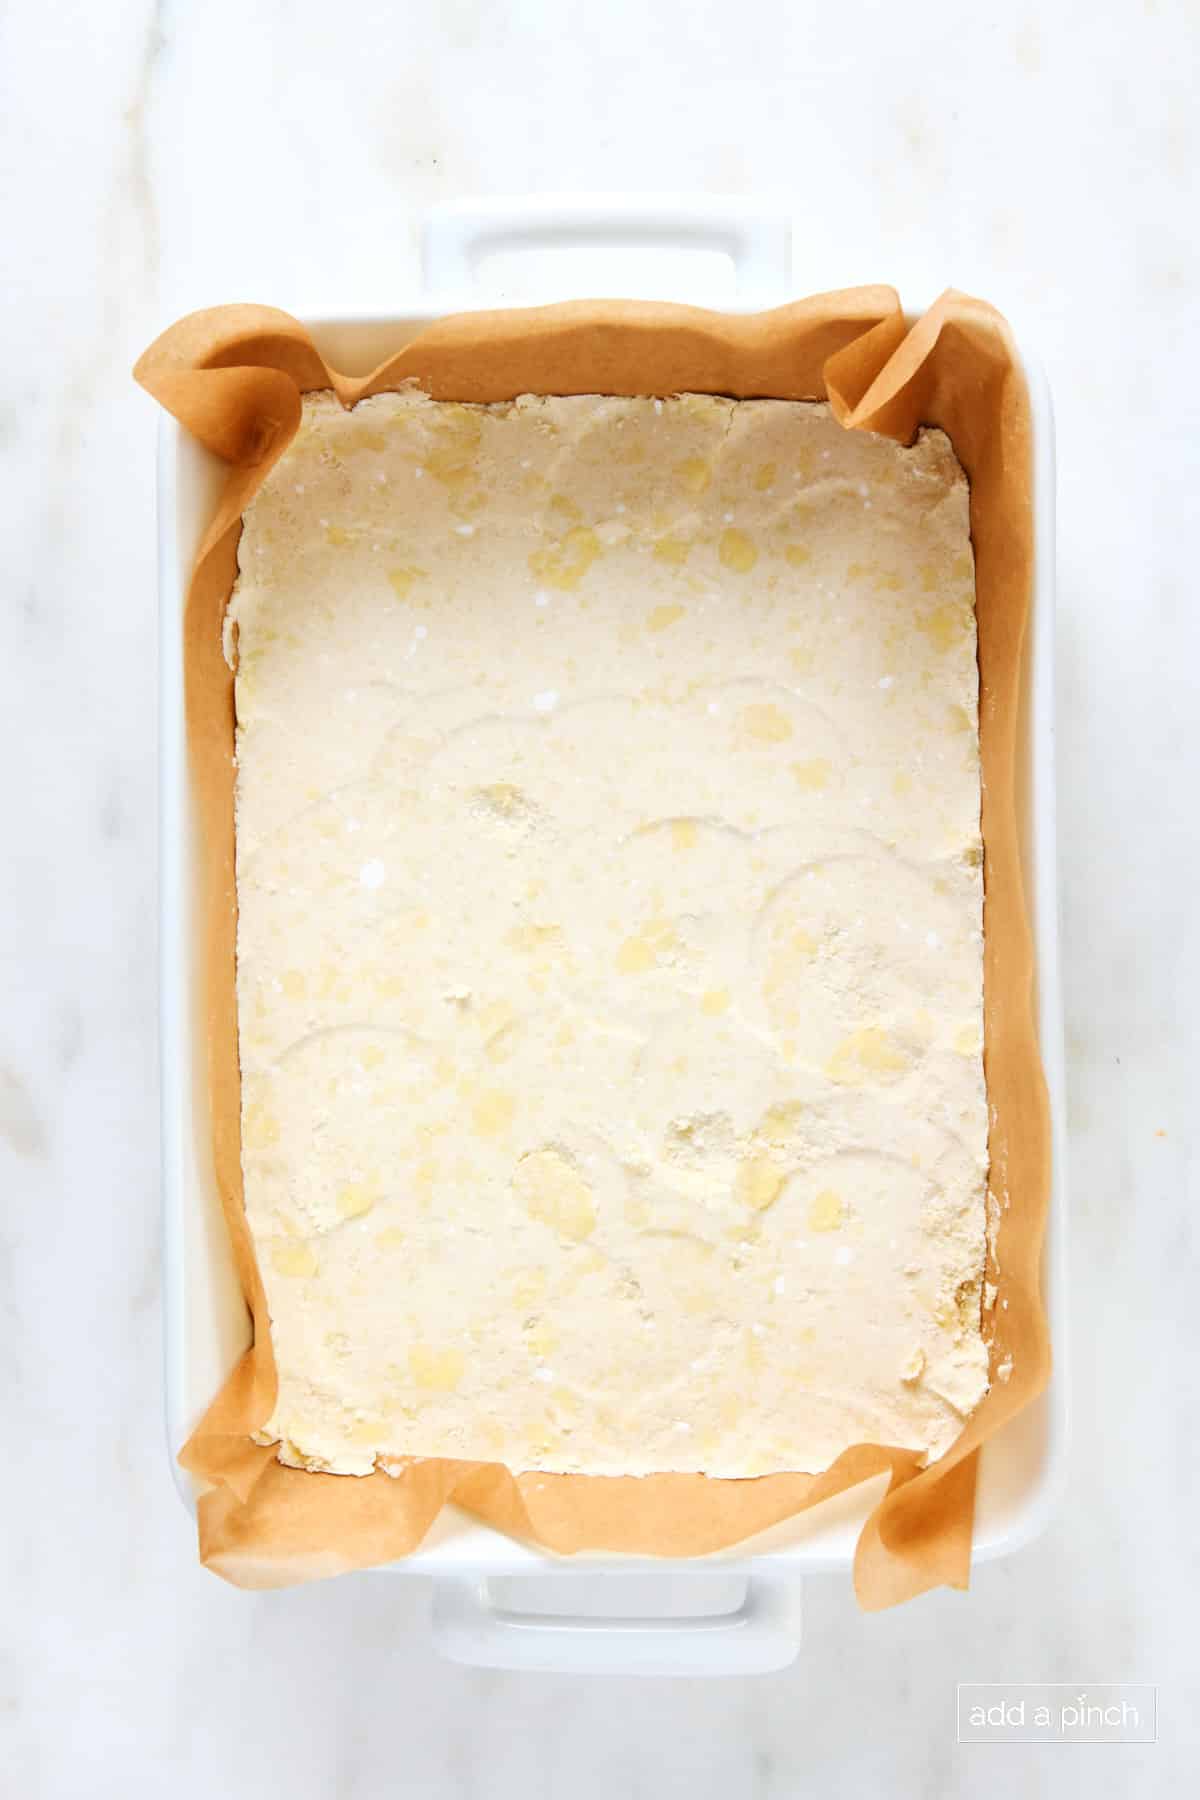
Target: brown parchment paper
234, 376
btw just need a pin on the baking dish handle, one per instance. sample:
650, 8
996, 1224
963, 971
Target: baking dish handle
756, 239
636, 1629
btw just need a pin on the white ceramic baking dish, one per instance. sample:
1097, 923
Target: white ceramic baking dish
495, 1601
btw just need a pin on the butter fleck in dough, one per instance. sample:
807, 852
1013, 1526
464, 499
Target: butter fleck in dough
609, 936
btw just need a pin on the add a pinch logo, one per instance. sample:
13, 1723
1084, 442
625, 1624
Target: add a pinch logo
1056, 1712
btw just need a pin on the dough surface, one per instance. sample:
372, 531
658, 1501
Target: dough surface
609, 938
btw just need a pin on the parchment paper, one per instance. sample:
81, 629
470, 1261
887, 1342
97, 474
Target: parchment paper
234, 375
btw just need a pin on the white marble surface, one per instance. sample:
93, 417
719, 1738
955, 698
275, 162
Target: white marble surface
163, 156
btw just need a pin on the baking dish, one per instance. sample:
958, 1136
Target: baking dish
738, 1612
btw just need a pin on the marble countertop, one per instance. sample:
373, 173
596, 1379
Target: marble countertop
160, 157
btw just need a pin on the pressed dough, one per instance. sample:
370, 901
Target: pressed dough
609, 935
